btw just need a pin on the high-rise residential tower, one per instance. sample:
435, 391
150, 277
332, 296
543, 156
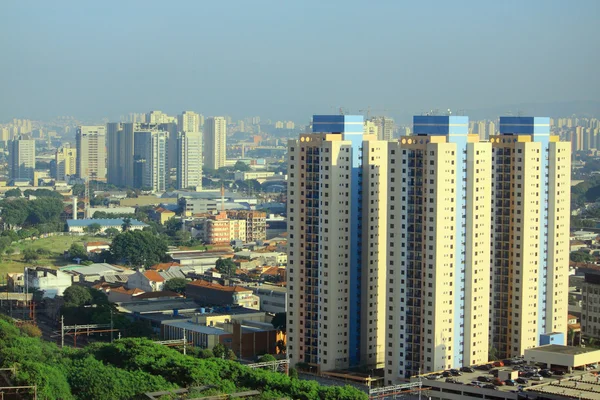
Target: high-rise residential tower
215, 142
66, 163
91, 152
336, 256
114, 153
189, 160
385, 127
439, 204
188, 121
150, 160
22, 158
530, 234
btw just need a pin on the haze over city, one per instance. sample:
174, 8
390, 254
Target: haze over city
99, 60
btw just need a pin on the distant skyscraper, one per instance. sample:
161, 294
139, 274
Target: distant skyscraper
439, 249
150, 160
215, 142
91, 152
188, 121
189, 168
336, 249
114, 151
157, 117
385, 127
66, 163
530, 234
173, 130
22, 158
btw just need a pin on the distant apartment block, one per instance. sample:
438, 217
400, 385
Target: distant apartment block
21, 161
66, 163
244, 176
91, 152
256, 223
189, 160
214, 294
215, 142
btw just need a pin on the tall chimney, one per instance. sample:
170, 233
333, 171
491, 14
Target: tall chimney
74, 207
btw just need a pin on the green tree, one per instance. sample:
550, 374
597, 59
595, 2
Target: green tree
139, 248
76, 296
126, 224
78, 189
219, 350
231, 355
279, 322
30, 255
16, 192
241, 166
226, 266
205, 353
176, 285
15, 212
31, 330
111, 232
293, 373
580, 256
94, 228
77, 251
45, 210
266, 358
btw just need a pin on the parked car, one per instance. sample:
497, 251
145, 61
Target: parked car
494, 372
433, 377
522, 381
536, 377
498, 382
455, 372
509, 382
546, 373
451, 380
558, 372
467, 369
483, 379
498, 364
446, 374
484, 367
489, 386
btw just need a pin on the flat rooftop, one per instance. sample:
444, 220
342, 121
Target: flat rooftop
568, 350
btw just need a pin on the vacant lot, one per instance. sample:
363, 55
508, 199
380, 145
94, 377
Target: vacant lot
55, 244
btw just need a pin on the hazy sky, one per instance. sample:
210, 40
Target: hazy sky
290, 59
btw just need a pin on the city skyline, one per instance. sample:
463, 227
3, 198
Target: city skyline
268, 64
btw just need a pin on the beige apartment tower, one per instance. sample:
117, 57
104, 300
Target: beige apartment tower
215, 142
336, 256
439, 214
91, 152
66, 163
530, 235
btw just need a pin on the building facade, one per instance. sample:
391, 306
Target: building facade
438, 254
188, 121
150, 160
335, 279
115, 154
91, 152
22, 158
530, 234
215, 142
256, 223
66, 163
189, 160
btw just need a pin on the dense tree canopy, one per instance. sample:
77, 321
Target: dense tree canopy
226, 266
22, 212
176, 285
130, 367
139, 248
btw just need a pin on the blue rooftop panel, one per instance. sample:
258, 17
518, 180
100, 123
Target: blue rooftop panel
338, 124
524, 125
440, 125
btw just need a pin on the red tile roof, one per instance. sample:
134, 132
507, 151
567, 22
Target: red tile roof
216, 286
121, 289
154, 276
164, 266
154, 295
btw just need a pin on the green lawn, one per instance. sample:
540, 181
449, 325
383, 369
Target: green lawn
56, 244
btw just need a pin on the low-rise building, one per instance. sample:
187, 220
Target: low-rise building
162, 215
192, 206
50, 281
96, 247
590, 304
215, 294
251, 175
273, 299
80, 225
94, 272
148, 281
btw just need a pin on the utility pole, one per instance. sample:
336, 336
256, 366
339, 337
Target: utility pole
62, 331
184, 343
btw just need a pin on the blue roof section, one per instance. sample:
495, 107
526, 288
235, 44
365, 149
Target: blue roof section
103, 222
524, 125
338, 124
440, 125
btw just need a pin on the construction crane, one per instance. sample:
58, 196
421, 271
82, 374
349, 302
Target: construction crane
368, 111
